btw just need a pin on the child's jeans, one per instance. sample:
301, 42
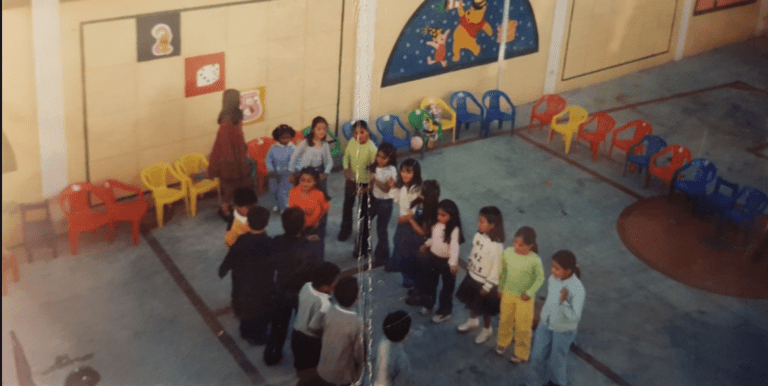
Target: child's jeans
406, 246
550, 350
516, 315
382, 210
279, 188
436, 268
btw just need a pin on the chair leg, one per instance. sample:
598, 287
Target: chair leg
595, 147
73, 242
135, 231
193, 204
159, 212
567, 139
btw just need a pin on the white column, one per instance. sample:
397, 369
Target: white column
503, 43
762, 18
46, 42
682, 34
366, 33
555, 46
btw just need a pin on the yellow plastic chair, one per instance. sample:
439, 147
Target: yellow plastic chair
155, 178
576, 116
188, 167
448, 124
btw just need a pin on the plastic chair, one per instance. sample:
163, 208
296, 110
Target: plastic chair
718, 202
605, 124
640, 153
695, 189
642, 128
576, 116
680, 156
258, 149
554, 105
37, 233
347, 132
493, 111
463, 116
155, 177
447, 124
191, 166
74, 202
747, 206
386, 125
131, 211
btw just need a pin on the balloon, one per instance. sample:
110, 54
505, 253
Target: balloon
417, 143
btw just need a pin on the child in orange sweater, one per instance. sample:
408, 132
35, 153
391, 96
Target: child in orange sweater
308, 197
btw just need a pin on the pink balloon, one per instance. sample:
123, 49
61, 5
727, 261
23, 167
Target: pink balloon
416, 143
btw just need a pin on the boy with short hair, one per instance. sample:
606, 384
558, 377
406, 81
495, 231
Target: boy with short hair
392, 365
252, 268
314, 303
237, 223
341, 355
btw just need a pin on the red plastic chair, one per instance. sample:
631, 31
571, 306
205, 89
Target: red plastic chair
555, 105
642, 128
680, 156
258, 149
131, 211
605, 124
79, 215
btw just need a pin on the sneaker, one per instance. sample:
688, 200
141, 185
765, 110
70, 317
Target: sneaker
469, 325
515, 359
484, 334
437, 319
275, 209
501, 349
425, 311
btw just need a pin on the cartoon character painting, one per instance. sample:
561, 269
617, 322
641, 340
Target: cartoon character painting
163, 36
471, 22
438, 43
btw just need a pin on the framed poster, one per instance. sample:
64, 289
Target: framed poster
158, 36
204, 74
252, 104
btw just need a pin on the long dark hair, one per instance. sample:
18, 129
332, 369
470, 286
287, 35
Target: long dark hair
389, 150
454, 221
529, 237
430, 191
567, 260
230, 107
492, 214
311, 136
416, 180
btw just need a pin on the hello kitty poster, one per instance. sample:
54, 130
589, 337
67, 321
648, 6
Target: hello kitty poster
204, 74
252, 104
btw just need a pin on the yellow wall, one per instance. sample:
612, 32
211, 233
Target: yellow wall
716, 29
19, 117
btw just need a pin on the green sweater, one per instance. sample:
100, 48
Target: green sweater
357, 158
520, 274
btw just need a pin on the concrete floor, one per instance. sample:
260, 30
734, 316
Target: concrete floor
157, 314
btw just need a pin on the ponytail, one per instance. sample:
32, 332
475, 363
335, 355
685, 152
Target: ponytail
567, 260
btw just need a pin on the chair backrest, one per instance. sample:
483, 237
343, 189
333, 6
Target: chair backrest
492, 100
74, 198
31, 208
734, 187
576, 114
679, 155
651, 144
155, 176
192, 163
642, 128
346, 130
553, 103
385, 124
441, 104
459, 102
605, 123
756, 201
258, 149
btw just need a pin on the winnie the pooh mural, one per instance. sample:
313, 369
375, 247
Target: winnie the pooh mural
471, 22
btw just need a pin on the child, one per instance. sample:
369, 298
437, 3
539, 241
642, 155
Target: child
443, 247
250, 261
314, 303
392, 365
313, 202
406, 241
425, 207
237, 223
295, 260
341, 355
385, 171
520, 277
278, 165
559, 320
359, 154
478, 289
314, 153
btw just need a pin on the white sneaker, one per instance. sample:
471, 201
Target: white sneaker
469, 325
484, 334
425, 311
437, 319
275, 209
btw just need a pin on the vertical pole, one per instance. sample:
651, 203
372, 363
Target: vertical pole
555, 46
682, 34
503, 43
366, 33
762, 18
49, 87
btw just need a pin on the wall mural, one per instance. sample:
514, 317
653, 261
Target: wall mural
449, 35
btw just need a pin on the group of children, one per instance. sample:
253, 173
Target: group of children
426, 243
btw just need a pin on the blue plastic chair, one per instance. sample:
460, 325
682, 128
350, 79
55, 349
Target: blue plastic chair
695, 189
346, 131
747, 206
719, 202
463, 116
649, 145
493, 112
386, 125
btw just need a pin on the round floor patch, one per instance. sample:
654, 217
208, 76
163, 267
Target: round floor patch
720, 258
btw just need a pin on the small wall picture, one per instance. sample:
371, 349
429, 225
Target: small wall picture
204, 74
252, 104
158, 36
